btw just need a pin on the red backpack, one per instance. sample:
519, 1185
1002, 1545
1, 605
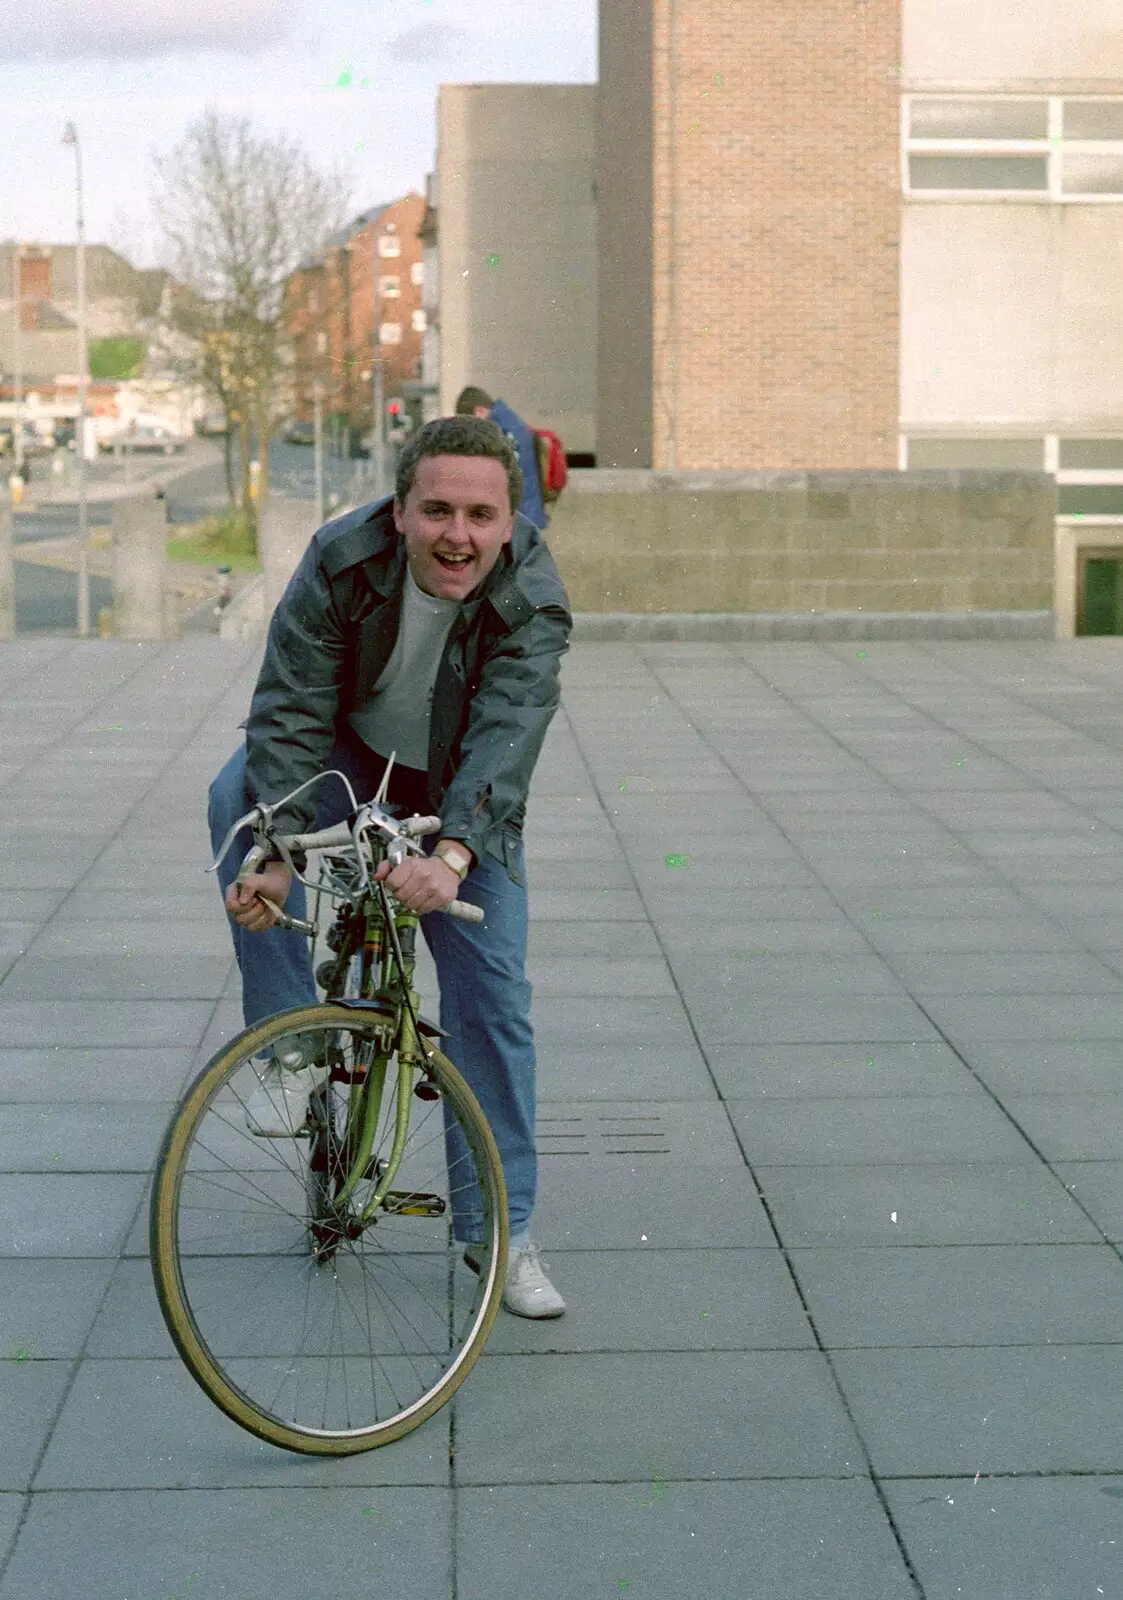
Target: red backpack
553, 473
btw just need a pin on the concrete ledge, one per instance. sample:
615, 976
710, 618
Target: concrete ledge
732, 627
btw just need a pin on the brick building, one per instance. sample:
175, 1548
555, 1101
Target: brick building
857, 236
335, 302
749, 214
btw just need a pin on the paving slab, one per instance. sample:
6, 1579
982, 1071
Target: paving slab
990, 972
1098, 1187
963, 1295
1011, 1538
1053, 1067
138, 1424
924, 1204
144, 974
67, 1214
665, 1204
720, 1414
257, 1544
12, 1508
1010, 1409
63, 1075
47, 1307
796, 1071
135, 1023
714, 1299
81, 1138
725, 1017
581, 1133
665, 1540
1078, 1128
889, 1128
30, 1394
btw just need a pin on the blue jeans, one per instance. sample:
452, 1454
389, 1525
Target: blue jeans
485, 997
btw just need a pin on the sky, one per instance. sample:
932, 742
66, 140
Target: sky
355, 81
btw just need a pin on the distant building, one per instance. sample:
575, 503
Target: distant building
361, 296
120, 299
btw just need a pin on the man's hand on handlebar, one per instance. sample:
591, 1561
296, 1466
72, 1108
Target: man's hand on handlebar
274, 881
423, 883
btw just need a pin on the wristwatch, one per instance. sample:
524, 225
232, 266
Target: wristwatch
455, 856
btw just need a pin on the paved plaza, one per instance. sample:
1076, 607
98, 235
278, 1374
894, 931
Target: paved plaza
827, 947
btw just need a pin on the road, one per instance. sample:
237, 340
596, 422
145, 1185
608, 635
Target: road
47, 599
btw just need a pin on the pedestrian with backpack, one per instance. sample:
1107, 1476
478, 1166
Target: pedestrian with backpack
541, 453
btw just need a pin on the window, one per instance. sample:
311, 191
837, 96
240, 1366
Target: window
321, 343
389, 245
418, 322
390, 333
1020, 455
1090, 477
390, 288
979, 172
417, 272
979, 119
313, 299
1063, 149
1089, 472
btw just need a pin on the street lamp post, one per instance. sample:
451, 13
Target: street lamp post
17, 354
70, 137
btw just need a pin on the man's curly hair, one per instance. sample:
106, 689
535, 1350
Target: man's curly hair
459, 436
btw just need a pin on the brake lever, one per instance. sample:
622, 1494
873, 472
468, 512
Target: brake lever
257, 820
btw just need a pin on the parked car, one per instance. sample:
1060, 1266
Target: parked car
212, 425
150, 437
297, 432
34, 443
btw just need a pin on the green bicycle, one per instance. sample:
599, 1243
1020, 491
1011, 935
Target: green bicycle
312, 1283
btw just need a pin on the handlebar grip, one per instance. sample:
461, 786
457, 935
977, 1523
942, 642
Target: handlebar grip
418, 827
332, 838
465, 911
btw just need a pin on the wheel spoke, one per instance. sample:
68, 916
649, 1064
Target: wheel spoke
313, 1329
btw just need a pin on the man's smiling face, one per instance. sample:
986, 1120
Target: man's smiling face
455, 521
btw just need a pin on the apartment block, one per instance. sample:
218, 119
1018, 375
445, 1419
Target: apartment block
360, 298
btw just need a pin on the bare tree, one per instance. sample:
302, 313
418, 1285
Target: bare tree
241, 209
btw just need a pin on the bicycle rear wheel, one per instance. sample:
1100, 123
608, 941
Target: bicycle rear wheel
313, 1331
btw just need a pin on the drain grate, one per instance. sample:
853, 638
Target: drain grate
593, 1135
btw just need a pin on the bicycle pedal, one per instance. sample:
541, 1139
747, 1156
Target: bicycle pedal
399, 1203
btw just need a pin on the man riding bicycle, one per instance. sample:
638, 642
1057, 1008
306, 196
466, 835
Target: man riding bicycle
429, 627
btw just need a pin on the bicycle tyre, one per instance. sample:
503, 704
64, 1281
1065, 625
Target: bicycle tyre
250, 1197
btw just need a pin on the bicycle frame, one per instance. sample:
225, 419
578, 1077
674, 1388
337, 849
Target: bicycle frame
375, 930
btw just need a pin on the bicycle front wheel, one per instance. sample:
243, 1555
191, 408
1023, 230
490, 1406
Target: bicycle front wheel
312, 1326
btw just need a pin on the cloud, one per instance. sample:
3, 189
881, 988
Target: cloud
427, 42
55, 29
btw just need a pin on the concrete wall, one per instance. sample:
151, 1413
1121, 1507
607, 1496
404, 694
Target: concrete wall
1032, 42
517, 239
634, 541
1032, 335
624, 238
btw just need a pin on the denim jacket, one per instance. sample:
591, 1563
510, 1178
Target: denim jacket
497, 685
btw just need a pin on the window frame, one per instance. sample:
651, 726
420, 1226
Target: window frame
1054, 148
1088, 477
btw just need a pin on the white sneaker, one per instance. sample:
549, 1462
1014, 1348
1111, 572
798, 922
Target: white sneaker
278, 1107
527, 1292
